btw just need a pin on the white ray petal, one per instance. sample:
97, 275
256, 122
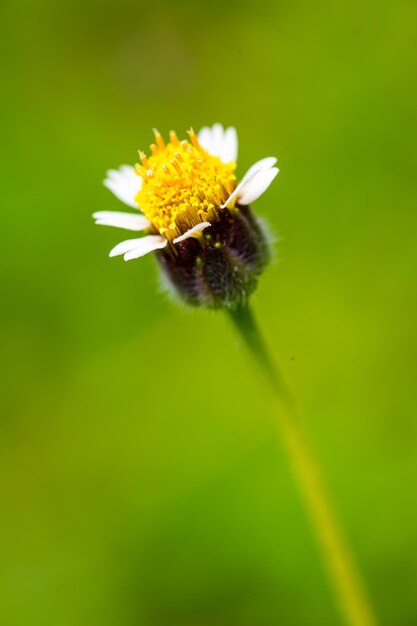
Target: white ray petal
129, 221
256, 186
204, 138
219, 142
228, 150
147, 244
131, 244
192, 231
125, 246
263, 164
124, 183
216, 139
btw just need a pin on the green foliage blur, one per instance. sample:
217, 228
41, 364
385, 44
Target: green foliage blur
141, 481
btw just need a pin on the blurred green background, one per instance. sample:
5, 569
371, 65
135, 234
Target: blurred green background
140, 481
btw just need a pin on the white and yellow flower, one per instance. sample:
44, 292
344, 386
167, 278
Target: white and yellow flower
182, 189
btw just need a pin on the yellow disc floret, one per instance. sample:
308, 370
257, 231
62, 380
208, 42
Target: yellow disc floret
183, 185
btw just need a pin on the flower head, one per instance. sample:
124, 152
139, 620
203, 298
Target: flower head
195, 214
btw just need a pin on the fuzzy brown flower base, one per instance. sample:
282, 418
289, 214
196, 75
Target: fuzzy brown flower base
222, 266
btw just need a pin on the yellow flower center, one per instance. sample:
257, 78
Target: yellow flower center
183, 184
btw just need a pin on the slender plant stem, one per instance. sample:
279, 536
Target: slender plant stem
344, 577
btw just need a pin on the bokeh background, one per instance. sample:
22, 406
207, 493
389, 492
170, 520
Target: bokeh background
141, 481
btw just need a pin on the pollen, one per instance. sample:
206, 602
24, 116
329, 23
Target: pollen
182, 184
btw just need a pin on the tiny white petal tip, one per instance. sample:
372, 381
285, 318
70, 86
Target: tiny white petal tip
257, 185
219, 142
124, 183
129, 221
260, 171
192, 232
135, 248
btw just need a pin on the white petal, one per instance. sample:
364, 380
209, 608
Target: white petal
257, 185
219, 142
204, 137
217, 133
265, 163
125, 246
229, 147
147, 244
124, 183
150, 242
254, 170
192, 231
121, 220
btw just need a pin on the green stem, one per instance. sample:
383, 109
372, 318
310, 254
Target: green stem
337, 558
